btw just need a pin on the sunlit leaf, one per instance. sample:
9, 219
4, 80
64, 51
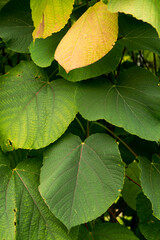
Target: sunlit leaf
42, 50
33, 111
89, 39
105, 65
50, 16
148, 10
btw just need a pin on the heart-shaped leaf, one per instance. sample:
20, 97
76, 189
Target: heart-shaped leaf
131, 103
79, 181
33, 111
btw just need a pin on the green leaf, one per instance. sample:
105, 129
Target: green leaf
149, 225
42, 50
148, 10
16, 26
7, 203
105, 65
50, 16
79, 181
138, 35
109, 231
131, 189
23, 213
132, 103
3, 3
113, 231
89, 39
150, 175
33, 111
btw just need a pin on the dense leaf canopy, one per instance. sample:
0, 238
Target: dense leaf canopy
79, 120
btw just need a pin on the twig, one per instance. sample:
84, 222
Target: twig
52, 74
117, 138
119, 65
133, 181
80, 124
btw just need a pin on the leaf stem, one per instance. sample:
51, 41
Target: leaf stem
91, 235
117, 138
133, 181
52, 74
89, 231
112, 214
80, 124
119, 65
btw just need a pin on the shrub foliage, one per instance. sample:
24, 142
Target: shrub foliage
79, 120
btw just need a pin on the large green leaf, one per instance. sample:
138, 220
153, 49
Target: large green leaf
108, 231
148, 10
105, 65
50, 16
137, 35
42, 50
131, 187
16, 26
33, 111
131, 103
150, 176
24, 214
89, 39
79, 181
148, 224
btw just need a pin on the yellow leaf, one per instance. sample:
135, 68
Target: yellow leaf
50, 16
89, 39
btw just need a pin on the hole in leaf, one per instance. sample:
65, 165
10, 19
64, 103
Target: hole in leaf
10, 142
37, 77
